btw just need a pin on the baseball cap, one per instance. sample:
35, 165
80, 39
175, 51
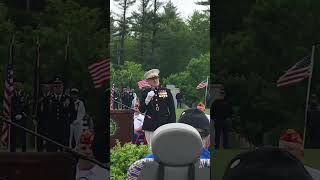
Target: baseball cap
265, 164
197, 119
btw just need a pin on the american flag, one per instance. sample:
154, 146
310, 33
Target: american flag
142, 84
8, 91
203, 84
112, 97
296, 73
100, 72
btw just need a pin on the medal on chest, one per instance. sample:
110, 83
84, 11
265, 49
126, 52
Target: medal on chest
157, 107
163, 94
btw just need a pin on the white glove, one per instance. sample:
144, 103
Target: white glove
18, 117
149, 97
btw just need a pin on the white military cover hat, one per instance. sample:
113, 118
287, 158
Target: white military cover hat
75, 90
151, 73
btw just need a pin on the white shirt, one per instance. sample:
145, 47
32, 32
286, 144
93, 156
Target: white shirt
95, 173
80, 109
138, 121
208, 116
315, 173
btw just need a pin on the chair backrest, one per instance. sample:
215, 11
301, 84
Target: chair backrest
177, 148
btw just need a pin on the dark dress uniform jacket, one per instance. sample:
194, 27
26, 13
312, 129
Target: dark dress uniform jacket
20, 104
59, 118
160, 109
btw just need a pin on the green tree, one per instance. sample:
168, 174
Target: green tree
127, 75
123, 25
197, 70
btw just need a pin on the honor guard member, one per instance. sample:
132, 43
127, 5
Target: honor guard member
60, 109
43, 116
157, 104
79, 113
19, 111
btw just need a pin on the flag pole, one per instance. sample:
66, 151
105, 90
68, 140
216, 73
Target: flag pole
36, 91
308, 94
205, 96
12, 61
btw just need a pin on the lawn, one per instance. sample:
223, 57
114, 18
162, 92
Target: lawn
221, 158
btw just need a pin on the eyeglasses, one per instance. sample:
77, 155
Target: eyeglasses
153, 78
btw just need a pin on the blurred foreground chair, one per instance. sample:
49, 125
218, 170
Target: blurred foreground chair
177, 148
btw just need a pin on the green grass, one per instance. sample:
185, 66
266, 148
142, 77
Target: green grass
221, 158
179, 111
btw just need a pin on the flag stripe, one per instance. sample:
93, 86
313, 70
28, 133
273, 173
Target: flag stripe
99, 68
112, 97
290, 82
100, 72
202, 84
97, 64
296, 73
100, 77
8, 91
142, 84
305, 74
93, 74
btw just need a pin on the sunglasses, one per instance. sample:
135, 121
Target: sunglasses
153, 78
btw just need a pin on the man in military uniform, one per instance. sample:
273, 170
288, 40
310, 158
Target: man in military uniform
19, 112
60, 108
43, 110
157, 104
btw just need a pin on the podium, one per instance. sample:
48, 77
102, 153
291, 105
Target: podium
36, 166
121, 126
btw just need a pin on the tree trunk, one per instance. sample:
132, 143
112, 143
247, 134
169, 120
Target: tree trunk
121, 61
154, 30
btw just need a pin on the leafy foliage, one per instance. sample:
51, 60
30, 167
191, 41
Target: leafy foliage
52, 25
250, 55
123, 156
196, 71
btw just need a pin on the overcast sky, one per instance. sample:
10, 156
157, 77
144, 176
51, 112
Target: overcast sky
184, 7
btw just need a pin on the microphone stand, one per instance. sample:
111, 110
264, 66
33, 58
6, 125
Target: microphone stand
65, 148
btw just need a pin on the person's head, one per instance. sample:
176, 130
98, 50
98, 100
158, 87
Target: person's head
266, 164
85, 144
291, 141
18, 85
152, 77
74, 93
201, 107
57, 86
197, 119
136, 107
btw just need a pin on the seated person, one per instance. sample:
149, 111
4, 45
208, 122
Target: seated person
292, 142
202, 107
86, 169
194, 119
266, 164
138, 118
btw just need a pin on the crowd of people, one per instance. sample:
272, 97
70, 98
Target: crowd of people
60, 116
124, 98
155, 110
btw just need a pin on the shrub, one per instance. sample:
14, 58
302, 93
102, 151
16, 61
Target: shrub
123, 156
